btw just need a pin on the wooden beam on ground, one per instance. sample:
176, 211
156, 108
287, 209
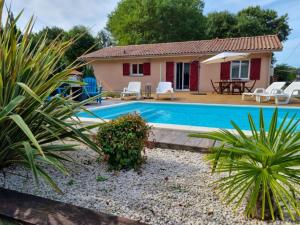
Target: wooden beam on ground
31, 209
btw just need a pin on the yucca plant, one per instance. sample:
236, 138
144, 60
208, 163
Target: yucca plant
32, 126
263, 167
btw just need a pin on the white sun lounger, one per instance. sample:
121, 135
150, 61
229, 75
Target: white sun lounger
264, 97
268, 90
134, 88
293, 90
164, 88
282, 96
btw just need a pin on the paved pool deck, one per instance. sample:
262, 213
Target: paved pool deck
179, 140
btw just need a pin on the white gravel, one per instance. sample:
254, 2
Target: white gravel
173, 187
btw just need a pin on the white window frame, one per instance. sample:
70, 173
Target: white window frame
138, 74
240, 69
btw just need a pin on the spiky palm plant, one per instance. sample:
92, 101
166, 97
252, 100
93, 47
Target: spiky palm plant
29, 123
263, 167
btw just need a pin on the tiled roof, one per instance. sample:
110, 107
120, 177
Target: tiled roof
202, 47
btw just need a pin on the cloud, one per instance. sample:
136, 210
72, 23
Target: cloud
93, 14
66, 13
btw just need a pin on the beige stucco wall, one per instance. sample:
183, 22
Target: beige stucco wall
110, 72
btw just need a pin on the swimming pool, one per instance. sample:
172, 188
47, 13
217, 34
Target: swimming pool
185, 115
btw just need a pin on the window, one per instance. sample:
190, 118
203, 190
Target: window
137, 69
182, 76
240, 69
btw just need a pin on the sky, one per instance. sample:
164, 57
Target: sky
93, 14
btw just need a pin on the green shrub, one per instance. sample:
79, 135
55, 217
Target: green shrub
263, 168
123, 141
32, 125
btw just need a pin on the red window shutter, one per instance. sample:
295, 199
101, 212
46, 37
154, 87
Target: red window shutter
126, 69
147, 69
255, 66
225, 71
170, 72
194, 76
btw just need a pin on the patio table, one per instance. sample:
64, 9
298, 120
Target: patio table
225, 83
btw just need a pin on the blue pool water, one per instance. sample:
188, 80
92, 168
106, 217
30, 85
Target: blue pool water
204, 115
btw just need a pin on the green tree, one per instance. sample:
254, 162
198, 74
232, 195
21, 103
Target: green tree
84, 42
221, 25
104, 39
50, 33
251, 21
257, 21
284, 72
88, 71
153, 21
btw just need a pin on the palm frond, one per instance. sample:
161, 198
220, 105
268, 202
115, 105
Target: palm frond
263, 168
29, 121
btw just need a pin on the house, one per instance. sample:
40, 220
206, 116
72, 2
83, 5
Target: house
180, 63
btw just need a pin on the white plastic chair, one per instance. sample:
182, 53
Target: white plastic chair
268, 90
293, 90
134, 88
164, 88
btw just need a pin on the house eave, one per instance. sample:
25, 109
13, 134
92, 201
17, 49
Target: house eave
173, 55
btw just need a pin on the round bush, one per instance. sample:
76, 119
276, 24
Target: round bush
123, 141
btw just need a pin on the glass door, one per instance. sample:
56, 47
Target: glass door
186, 76
182, 76
179, 76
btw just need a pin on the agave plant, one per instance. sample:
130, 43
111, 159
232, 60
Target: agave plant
32, 126
263, 167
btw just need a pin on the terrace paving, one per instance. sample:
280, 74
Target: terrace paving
179, 140
212, 98
207, 98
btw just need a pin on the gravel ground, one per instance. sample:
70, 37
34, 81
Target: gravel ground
173, 187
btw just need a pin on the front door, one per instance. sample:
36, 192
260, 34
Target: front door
182, 79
